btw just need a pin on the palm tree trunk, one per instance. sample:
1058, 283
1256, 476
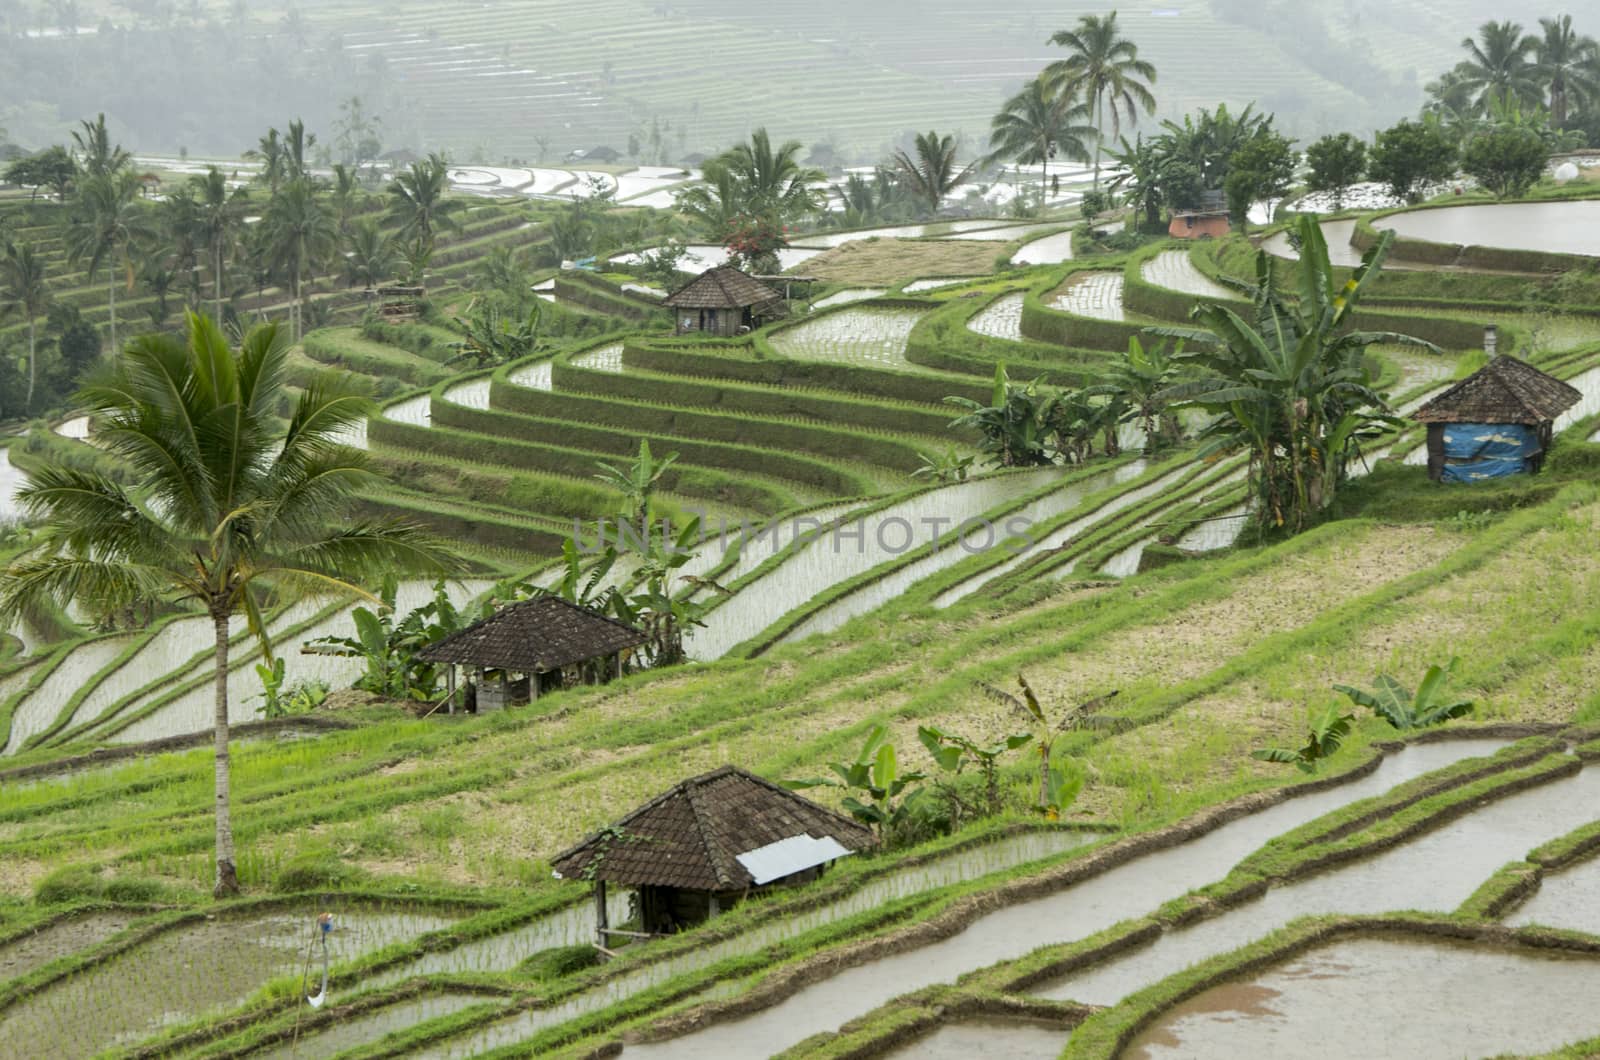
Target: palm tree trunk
1044, 775
1099, 135
111, 299
294, 308
33, 364
216, 276
227, 876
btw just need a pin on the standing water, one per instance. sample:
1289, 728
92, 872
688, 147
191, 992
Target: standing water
11, 480
1360, 998
474, 393
991, 1039
1569, 899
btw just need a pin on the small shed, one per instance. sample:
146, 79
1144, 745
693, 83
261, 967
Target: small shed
1497, 421
1208, 220
401, 301
703, 846
533, 646
724, 301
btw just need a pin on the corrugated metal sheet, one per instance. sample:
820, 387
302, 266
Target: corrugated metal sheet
789, 856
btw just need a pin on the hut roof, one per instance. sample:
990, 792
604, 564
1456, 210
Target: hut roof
693, 836
535, 635
1505, 390
723, 287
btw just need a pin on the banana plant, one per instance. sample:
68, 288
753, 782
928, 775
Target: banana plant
953, 753
638, 481
1016, 423
1406, 710
1084, 716
1062, 785
875, 773
1329, 730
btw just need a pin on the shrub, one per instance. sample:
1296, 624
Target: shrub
136, 890
70, 883
559, 961
315, 870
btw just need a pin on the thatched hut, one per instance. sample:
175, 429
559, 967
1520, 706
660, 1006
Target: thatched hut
534, 646
724, 301
1497, 421
703, 846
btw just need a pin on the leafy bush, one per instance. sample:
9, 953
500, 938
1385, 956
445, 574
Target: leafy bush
559, 961
70, 883
314, 870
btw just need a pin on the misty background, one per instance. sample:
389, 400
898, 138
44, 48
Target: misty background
496, 80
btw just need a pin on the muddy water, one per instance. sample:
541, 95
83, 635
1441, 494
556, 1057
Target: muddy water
372, 1026
991, 1039
1134, 889
832, 557
1553, 227
1336, 233
1497, 1001
940, 872
1060, 538
474, 393
30, 952
184, 973
417, 411
1566, 899
983, 536
1433, 873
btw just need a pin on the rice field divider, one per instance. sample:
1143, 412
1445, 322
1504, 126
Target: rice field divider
948, 541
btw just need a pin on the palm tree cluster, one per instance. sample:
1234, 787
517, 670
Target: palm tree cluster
1178, 166
1555, 71
751, 195
1103, 69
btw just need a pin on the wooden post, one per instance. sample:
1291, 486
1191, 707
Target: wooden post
600, 914
450, 684
533, 687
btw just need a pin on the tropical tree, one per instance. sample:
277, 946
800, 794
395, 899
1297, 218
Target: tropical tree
1016, 424
417, 201
1140, 382
270, 153
1143, 169
1046, 730
1105, 70
637, 482
933, 173
1290, 386
221, 216
1410, 155
98, 157
1406, 710
299, 235
1568, 65
229, 507
1336, 162
771, 182
52, 168
297, 147
1329, 731
493, 337
1498, 65
1506, 160
876, 774
106, 218
1204, 147
369, 257
1036, 125
1262, 169
25, 291
953, 753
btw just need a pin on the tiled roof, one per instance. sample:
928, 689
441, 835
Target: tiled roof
1505, 390
535, 635
691, 837
723, 287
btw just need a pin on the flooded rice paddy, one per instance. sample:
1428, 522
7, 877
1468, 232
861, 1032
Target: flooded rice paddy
1553, 227
1051, 250
1133, 889
827, 558
11, 480
186, 972
1173, 270
535, 376
23, 955
1435, 873
474, 393
1475, 1002
872, 337
43, 705
848, 295
417, 411
992, 1039
1566, 899
1097, 295
1001, 318
607, 358
370, 1026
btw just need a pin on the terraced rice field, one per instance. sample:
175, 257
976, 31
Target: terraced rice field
1097, 295
868, 337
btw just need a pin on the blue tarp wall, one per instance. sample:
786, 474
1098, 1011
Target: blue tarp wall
1476, 451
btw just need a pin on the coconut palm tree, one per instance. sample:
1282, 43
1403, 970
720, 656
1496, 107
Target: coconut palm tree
417, 201
1290, 387
269, 152
296, 147
370, 258
1036, 125
1499, 66
1104, 69
932, 174
221, 215
97, 155
1568, 64
230, 508
24, 290
299, 235
771, 183
106, 218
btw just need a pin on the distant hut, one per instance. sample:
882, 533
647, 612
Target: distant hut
1497, 421
705, 845
724, 301
534, 646
1209, 220
603, 154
